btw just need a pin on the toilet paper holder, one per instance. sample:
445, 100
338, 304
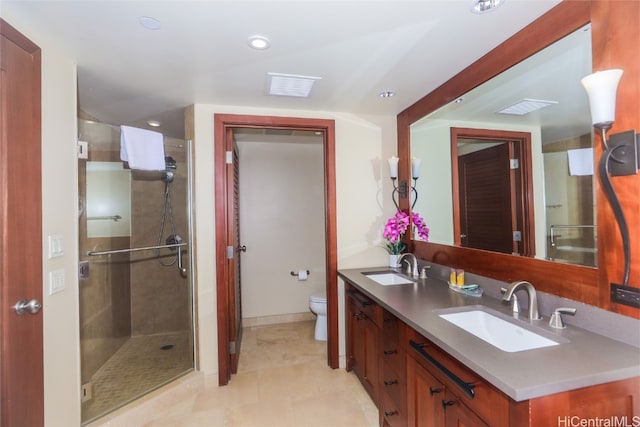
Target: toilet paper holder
293, 273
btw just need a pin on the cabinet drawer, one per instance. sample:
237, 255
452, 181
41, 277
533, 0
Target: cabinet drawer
366, 306
394, 384
473, 391
394, 414
391, 327
393, 355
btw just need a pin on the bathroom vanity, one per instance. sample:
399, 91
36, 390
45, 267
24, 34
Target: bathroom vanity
423, 370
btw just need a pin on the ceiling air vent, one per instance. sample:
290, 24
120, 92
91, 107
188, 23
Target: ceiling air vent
290, 85
525, 106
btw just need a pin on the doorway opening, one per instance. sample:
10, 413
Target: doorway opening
229, 249
492, 197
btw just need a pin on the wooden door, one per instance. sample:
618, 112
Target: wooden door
233, 240
486, 202
21, 359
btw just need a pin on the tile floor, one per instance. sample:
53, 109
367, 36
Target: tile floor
140, 365
283, 380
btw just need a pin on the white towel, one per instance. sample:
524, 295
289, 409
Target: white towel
143, 149
580, 161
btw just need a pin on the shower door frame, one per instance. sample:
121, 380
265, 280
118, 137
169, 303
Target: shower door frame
223, 122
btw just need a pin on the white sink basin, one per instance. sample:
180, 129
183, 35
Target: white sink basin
387, 279
500, 333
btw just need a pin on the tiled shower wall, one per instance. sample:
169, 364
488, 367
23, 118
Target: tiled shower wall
160, 296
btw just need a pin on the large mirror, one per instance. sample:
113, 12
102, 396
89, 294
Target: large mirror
539, 201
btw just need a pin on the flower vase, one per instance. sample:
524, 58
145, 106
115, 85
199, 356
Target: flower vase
393, 260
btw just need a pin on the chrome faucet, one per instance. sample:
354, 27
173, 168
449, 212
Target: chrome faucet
413, 266
515, 305
531, 292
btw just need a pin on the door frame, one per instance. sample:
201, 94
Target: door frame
222, 122
524, 205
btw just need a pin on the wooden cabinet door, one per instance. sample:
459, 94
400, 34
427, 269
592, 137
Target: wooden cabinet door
458, 415
424, 397
362, 348
350, 332
370, 366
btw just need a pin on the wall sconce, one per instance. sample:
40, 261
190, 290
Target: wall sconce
620, 157
401, 189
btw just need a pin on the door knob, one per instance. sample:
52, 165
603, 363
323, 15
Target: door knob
23, 306
242, 248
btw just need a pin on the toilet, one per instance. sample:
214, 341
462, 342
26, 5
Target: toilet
318, 305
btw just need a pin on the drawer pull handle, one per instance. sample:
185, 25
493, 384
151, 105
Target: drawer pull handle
433, 391
359, 298
388, 320
390, 413
390, 352
446, 403
464, 386
392, 382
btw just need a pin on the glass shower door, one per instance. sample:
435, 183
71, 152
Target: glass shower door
136, 308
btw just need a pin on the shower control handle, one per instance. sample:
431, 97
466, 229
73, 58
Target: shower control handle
27, 306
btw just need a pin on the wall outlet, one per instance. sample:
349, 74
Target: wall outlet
86, 392
625, 295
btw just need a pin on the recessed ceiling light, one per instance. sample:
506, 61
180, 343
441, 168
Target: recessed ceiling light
149, 23
154, 123
484, 6
259, 42
386, 94
290, 84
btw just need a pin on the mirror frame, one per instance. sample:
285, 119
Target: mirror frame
567, 280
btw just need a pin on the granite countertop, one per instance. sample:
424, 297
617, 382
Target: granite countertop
586, 359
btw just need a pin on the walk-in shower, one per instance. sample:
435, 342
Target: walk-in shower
135, 289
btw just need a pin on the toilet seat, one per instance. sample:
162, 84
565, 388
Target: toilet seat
318, 298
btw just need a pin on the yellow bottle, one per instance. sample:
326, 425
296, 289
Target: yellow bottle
460, 277
452, 277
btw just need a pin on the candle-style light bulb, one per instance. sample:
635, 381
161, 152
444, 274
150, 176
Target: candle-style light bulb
393, 166
415, 167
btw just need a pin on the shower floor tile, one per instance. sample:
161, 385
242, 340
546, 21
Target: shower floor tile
139, 366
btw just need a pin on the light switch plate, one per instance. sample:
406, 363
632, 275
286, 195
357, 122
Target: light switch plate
56, 245
56, 281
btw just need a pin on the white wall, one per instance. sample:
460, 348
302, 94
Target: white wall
60, 216
363, 201
282, 224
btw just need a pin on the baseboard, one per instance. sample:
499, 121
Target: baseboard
249, 322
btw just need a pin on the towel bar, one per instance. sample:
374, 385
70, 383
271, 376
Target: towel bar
147, 248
